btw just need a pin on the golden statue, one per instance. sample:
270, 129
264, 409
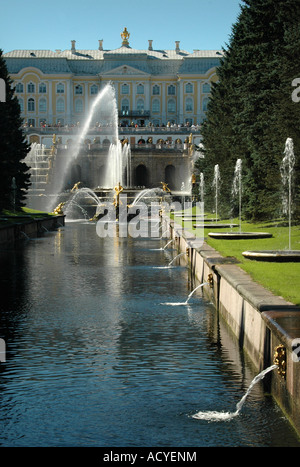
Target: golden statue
193, 179
165, 187
58, 209
125, 36
54, 139
75, 187
118, 189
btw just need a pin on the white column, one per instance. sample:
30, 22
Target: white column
198, 110
69, 101
86, 99
147, 97
180, 102
50, 109
163, 98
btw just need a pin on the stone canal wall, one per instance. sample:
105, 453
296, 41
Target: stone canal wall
29, 227
262, 322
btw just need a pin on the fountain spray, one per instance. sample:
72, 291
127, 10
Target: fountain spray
237, 188
216, 182
286, 170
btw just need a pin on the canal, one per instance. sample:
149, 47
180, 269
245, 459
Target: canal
95, 356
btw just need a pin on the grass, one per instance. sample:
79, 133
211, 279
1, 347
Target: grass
8, 217
282, 279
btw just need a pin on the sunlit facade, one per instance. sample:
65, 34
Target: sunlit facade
154, 87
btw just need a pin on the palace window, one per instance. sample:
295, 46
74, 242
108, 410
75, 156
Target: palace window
19, 87
189, 88
21, 104
42, 105
94, 89
140, 105
42, 88
171, 90
31, 105
155, 105
140, 89
31, 122
205, 104
125, 107
125, 89
156, 90
60, 88
189, 105
206, 88
30, 87
78, 106
78, 89
171, 105
60, 105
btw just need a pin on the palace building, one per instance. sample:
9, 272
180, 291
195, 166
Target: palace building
161, 99
151, 85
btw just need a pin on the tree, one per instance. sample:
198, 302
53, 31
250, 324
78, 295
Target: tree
251, 112
13, 146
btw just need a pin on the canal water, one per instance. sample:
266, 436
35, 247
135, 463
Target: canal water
95, 357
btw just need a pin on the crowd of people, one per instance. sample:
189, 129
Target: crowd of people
122, 124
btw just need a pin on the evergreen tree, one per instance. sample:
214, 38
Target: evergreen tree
13, 146
251, 112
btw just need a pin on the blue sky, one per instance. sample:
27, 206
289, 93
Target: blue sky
52, 24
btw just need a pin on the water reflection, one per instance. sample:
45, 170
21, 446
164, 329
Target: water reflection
94, 359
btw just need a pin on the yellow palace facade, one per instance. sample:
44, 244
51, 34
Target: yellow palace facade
152, 87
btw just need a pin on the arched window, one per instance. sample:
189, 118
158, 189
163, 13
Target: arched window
31, 105
156, 90
60, 105
78, 106
21, 104
206, 88
141, 175
170, 176
94, 89
78, 89
171, 90
125, 106
171, 105
155, 105
205, 104
42, 105
42, 88
60, 88
140, 89
125, 89
19, 87
189, 105
30, 87
189, 88
140, 105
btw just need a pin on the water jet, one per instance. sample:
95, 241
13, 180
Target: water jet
288, 255
225, 416
237, 192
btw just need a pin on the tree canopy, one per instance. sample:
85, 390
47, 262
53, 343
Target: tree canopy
13, 146
251, 112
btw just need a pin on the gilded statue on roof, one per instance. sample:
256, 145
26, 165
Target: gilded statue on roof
125, 36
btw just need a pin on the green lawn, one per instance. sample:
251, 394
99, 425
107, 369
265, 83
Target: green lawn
9, 217
282, 279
